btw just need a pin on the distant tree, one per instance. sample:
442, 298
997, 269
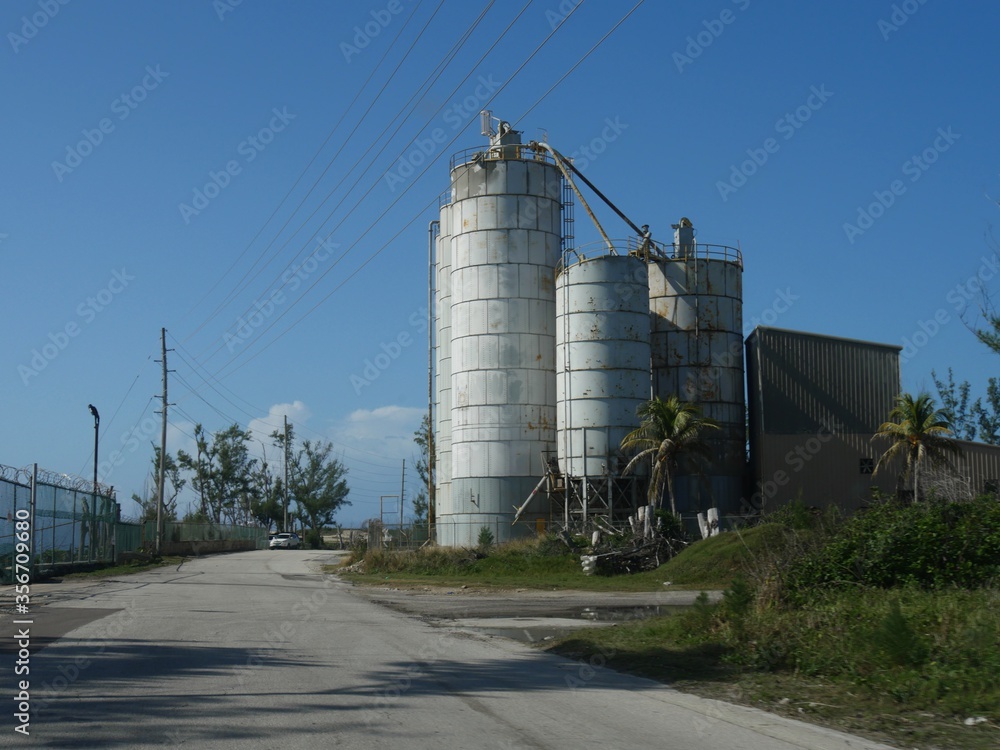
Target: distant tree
668, 429
223, 471
918, 432
991, 336
317, 482
988, 416
423, 504
175, 482
266, 501
955, 405
420, 507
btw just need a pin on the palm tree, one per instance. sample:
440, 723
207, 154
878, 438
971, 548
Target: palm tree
918, 431
669, 428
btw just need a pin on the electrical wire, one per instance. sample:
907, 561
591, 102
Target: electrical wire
296, 183
409, 107
371, 226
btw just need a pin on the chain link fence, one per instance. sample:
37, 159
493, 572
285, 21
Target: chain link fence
69, 523
68, 520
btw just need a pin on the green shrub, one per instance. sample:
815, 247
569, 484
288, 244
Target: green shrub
931, 544
486, 537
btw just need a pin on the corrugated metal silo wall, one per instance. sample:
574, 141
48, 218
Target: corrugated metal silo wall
442, 364
602, 360
697, 350
505, 227
815, 404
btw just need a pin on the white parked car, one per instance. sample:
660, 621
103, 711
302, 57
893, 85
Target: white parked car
285, 541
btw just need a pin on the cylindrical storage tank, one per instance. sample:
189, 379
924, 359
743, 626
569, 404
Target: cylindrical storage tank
505, 228
696, 301
602, 359
442, 362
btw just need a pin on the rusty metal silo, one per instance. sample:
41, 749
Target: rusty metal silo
696, 303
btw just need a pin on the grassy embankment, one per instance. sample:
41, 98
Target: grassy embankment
548, 564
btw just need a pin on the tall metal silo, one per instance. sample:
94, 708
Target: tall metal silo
505, 222
442, 357
696, 303
602, 376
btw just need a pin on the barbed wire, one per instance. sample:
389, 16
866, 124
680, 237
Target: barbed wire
53, 478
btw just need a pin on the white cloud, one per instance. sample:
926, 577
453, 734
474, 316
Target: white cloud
386, 431
262, 427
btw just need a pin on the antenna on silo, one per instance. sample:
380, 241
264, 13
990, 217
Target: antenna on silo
486, 123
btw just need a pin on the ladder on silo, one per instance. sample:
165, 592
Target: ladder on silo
568, 236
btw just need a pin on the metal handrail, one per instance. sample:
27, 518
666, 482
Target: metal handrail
657, 252
506, 152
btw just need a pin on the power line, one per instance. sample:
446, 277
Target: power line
372, 225
577, 64
236, 290
428, 83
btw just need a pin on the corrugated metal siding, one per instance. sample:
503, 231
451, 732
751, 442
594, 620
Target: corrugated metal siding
979, 464
821, 469
804, 381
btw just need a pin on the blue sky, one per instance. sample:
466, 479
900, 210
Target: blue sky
176, 165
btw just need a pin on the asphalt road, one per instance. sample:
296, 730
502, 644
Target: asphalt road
260, 650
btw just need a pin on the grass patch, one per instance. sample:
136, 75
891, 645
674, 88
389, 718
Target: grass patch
712, 563
717, 561
530, 564
126, 569
904, 665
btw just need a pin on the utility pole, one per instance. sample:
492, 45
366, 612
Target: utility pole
163, 446
284, 525
402, 495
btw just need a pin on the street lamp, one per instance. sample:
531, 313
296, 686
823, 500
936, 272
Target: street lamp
93, 505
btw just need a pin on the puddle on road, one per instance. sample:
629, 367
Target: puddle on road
622, 614
550, 626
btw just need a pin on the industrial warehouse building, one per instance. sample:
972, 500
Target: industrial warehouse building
541, 352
